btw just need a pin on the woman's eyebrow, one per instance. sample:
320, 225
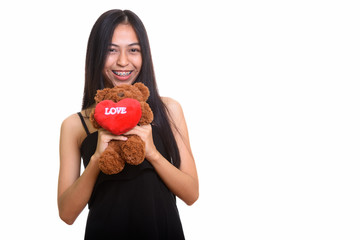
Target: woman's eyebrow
130, 45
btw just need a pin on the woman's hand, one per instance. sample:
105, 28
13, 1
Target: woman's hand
145, 133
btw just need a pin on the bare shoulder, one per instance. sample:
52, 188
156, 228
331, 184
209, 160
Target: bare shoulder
71, 121
173, 106
176, 114
71, 128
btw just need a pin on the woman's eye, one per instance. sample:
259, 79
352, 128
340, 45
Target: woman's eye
134, 50
111, 50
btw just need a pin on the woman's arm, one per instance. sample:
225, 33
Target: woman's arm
74, 191
183, 182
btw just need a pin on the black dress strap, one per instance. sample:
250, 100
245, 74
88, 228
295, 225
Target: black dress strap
83, 123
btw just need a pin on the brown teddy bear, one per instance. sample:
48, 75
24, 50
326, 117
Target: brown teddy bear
118, 110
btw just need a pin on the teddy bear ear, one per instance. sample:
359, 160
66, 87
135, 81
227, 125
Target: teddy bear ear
100, 94
143, 89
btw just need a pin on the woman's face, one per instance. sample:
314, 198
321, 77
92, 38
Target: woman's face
123, 61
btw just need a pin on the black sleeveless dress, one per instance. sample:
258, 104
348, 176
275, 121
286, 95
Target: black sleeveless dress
133, 204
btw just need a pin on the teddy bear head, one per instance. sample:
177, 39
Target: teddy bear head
137, 91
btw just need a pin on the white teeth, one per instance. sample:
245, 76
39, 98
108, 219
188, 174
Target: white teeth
122, 74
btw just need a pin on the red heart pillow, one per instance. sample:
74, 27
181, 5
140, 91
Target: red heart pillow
120, 117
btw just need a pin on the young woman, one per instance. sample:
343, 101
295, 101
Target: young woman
139, 202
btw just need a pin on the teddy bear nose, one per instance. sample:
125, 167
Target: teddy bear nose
120, 94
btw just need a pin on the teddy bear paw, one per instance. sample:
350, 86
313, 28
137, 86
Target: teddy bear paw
133, 150
111, 164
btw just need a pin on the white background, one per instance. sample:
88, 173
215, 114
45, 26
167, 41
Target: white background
270, 91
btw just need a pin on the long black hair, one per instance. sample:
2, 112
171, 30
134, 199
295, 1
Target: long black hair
97, 49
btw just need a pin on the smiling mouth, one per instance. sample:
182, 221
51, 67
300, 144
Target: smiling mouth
122, 73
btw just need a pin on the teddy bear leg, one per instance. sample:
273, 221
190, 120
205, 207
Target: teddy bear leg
110, 162
133, 150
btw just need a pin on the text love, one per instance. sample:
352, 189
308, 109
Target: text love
115, 110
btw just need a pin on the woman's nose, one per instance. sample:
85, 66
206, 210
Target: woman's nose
122, 59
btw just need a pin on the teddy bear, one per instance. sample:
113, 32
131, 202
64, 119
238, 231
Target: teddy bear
118, 110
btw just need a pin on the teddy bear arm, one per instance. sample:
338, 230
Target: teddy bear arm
93, 121
146, 114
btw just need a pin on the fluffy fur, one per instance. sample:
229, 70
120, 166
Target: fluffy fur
131, 151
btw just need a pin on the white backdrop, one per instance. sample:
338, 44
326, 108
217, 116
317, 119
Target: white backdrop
270, 91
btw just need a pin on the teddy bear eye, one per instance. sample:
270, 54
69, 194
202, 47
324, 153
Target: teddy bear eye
120, 94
